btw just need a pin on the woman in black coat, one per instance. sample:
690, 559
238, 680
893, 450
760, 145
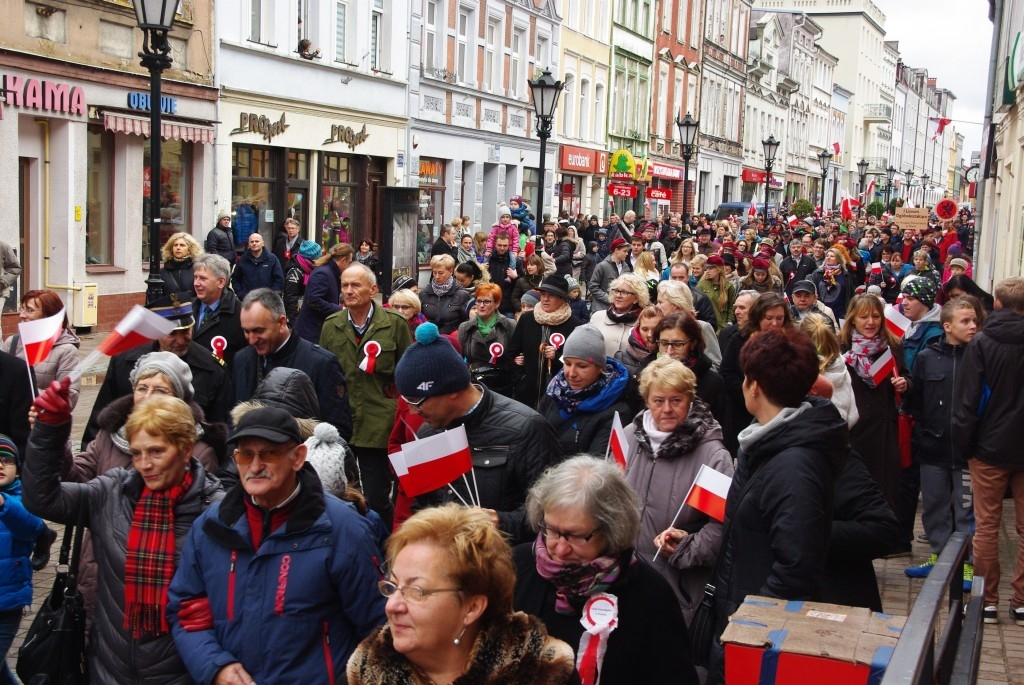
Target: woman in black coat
178, 253
562, 251
443, 301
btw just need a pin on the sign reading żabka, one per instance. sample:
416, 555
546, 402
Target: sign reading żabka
912, 217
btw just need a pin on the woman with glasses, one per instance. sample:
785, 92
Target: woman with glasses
40, 304
675, 296
443, 301
485, 338
583, 566
449, 609
138, 514
628, 295
677, 435
407, 303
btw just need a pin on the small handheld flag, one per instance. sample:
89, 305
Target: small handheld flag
39, 336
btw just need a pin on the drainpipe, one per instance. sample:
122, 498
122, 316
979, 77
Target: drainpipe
45, 126
986, 269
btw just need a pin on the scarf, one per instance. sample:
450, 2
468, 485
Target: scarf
555, 318
307, 267
465, 255
755, 431
575, 581
862, 354
654, 436
569, 400
636, 347
485, 327
442, 290
629, 317
149, 560
830, 274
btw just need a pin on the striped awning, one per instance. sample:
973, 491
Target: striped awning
169, 130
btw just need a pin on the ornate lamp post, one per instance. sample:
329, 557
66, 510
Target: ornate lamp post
909, 173
889, 174
155, 18
824, 159
771, 146
688, 128
544, 92
862, 171
924, 189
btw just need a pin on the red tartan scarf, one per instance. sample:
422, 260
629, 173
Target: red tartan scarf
149, 561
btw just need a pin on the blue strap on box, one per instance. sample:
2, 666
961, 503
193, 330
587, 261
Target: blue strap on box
770, 657
879, 662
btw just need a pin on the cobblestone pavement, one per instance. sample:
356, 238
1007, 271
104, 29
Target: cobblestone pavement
1002, 650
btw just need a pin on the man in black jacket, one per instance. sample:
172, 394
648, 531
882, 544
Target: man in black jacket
445, 243
219, 240
272, 345
988, 429
505, 272
209, 376
511, 444
215, 309
796, 266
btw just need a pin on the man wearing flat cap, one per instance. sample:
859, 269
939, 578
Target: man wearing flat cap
209, 376
277, 582
219, 240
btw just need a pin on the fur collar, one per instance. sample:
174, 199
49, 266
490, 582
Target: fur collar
515, 649
685, 437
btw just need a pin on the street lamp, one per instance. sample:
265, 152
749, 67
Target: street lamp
544, 91
862, 171
154, 18
909, 173
687, 134
924, 188
890, 173
771, 146
824, 159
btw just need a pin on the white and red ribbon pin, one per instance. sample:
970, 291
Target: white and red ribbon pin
218, 344
556, 340
600, 618
372, 350
496, 349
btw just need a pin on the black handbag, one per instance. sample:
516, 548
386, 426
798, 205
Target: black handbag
53, 652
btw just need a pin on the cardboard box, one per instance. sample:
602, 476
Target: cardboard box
776, 641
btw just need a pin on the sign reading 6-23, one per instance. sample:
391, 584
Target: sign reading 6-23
620, 190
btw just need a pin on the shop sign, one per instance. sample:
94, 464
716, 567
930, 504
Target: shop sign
621, 190
140, 102
659, 194
45, 96
431, 172
580, 159
347, 135
250, 122
623, 166
666, 171
568, 188
753, 175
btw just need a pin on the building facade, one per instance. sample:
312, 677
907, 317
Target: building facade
768, 94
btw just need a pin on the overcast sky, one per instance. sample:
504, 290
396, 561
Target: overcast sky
952, 40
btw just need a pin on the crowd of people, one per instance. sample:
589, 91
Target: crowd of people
246, 524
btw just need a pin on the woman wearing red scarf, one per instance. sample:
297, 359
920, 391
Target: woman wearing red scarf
139, 518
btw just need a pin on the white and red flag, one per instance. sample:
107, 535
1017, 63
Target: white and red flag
620, 446
895, 321
138, 326
431, 463
753, 207
876, 268
883, 366
40, 335
835, 147
792, 220
709, 491
943, 122
848, 206
870, 192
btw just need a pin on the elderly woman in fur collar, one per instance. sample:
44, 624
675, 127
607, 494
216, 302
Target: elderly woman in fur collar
450, 619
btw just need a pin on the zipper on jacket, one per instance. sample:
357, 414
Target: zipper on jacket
327, 654
231, 585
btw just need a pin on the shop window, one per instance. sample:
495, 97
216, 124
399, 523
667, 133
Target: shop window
253, 189
174, 188
530, 186
297, 197
337, 189
99, 225
431, 214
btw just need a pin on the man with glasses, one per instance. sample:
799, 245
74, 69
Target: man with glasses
277, 583
510, 444
368, 341
614, 265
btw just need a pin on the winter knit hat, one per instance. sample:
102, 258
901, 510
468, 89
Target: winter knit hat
922, 289
955, 250
958, 261
586, 343
171, 366
531, 298
9, 449
572, 284
403, 282
309, 249
431, 366
325, 450
224, 214
504, 211
518, 199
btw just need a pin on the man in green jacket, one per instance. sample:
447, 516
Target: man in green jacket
368, 340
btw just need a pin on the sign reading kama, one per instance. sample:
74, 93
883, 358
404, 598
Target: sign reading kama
44, 96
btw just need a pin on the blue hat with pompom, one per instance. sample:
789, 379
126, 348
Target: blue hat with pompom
431, 366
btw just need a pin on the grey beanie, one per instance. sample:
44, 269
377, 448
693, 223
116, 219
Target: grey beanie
325, 450
504, 211
586, 343
171, 366
531, 298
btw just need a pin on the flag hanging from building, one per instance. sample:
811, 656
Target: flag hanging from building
943, 122
835, 147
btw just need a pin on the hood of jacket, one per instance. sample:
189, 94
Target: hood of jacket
819, 428
1005, 327
66, 337
115, 414
291, 390
916, 328
611, 392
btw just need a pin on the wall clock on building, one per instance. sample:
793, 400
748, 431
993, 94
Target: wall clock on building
973, 174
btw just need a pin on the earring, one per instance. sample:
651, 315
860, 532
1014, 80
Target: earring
458, 640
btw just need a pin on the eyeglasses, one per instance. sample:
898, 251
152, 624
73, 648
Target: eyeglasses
146, 389
415, 403
485, 301
623, 293
410, 592
673, 344
572, 538
267, 456
402, 307
8, 461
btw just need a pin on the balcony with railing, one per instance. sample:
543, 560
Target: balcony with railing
878, 114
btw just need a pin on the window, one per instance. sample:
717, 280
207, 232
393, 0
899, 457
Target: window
599, 113
492, 57
677, 105
462, 51
542, 57
309, 22
666, 16
174, 188
660, 123
253, 189
568, 104
340, 30
261, 21
99, 218
337, 188
430, 35
694, 23
584, 111
516, 86
376, 35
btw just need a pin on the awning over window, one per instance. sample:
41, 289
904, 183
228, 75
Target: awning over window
169, 130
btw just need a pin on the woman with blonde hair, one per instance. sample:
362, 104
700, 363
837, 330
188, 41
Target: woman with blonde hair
443, 301
323, 292
836, 287
629, 295
686, 252
831, 365
479, 247
178, 253
697, 265
675, 296
407, 303
646, 269
715, 284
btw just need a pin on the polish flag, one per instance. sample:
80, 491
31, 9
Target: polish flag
943, 122
138, 326
835, 147
619, 444
39, 336
895, 321
432, 463
876, 268
753, 207
870, 192
709, 491
848, 205
883, 366
792, 220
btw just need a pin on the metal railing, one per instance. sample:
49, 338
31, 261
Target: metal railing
919, 657
878, 112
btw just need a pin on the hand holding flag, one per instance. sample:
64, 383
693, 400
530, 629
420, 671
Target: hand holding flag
434, 462
708, 495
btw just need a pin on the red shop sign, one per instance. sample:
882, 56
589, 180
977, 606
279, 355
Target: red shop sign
568, 188
659, 194
577, 158
753, 175
620, 190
